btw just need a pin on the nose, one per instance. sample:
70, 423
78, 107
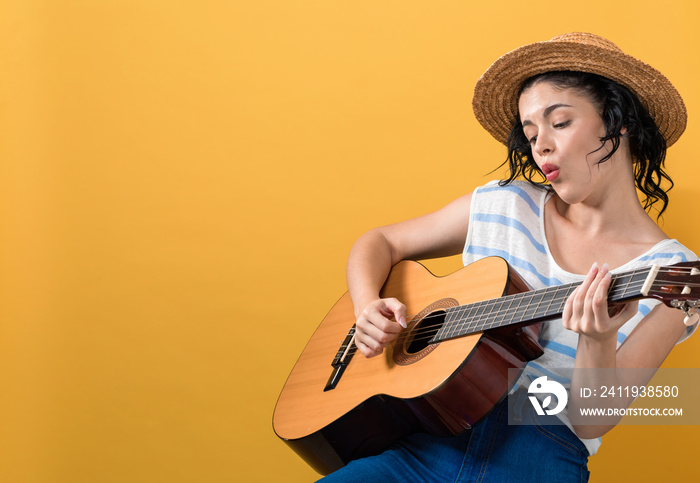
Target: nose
544, 144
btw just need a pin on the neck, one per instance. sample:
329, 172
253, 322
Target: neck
530, 307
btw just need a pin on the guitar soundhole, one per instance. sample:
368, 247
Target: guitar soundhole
414, 342
424, 331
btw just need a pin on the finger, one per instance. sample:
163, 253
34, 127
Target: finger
377, 316
599, 299
581, 293
384, 335
377, 334
374, 330
380, 315
592, 290
568, 313
574, 308
372, 338
590, 277
398, 310
366, 350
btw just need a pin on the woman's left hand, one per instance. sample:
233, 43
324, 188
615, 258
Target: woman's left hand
587, 312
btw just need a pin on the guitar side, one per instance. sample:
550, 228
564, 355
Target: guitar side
442, 389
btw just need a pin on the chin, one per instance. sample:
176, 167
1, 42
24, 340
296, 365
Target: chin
570, 196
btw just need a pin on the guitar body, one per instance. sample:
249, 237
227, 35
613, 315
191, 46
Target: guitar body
441, 388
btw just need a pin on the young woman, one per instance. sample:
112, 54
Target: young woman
586, 126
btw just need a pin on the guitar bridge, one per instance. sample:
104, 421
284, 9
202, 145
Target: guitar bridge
342, 359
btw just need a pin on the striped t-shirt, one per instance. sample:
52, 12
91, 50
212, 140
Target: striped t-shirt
508, 222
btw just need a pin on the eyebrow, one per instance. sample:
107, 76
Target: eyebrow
547, 112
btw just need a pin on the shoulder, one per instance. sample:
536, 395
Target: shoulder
516, 187
668, 252
515, 193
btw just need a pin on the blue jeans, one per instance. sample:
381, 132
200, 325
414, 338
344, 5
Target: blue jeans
492, 451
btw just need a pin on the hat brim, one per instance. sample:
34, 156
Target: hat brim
495, 100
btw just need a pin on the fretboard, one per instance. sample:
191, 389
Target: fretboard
530, 307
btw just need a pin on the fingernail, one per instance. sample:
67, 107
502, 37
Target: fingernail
594, 266
402, 322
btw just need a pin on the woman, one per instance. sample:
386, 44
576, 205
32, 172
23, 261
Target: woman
586, 126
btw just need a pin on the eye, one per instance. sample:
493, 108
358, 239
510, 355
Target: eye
533, 140
562, 124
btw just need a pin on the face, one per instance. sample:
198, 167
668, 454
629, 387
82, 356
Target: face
564, 130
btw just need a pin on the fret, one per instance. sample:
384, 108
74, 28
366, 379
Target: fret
485, 321
561, 298
622, 283
517, 312
468, 319
538, 311
534, 299
499, 313
475, 318
638, 278
493, 315
507, 320
632, 282
463, 319
458, 318
449, 330
451, 317
452, 320
552, 298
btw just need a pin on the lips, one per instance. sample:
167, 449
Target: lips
550, 171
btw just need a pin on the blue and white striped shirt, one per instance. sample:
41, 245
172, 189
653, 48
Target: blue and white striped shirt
508, 222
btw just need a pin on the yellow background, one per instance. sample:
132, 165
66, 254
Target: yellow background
181, 184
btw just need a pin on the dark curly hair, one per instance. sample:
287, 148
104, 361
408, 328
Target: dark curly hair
620, 108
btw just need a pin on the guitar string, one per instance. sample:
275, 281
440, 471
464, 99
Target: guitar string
426, 333
614, 291
490, 319
421, 334
640, 283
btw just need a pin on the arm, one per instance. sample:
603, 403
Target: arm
586, 312
441, 233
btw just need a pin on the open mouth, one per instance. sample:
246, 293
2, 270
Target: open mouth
550, 171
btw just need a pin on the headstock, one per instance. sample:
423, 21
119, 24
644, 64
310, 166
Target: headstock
677, 286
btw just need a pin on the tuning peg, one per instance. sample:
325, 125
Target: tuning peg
691, 317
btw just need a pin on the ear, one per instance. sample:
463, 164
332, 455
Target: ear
623, 130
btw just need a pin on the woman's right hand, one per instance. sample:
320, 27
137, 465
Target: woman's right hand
375, 328
437, 234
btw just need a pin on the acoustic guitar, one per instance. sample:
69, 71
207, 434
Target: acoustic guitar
447, 369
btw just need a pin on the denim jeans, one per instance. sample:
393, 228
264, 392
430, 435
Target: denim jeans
492, 451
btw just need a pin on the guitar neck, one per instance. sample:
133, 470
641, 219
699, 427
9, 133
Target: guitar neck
531, 307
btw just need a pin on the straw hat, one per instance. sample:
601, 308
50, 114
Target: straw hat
496, 92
